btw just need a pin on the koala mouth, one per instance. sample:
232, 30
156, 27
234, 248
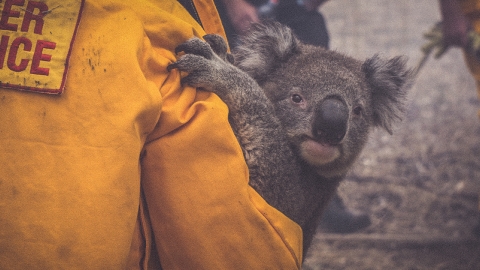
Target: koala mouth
317, 153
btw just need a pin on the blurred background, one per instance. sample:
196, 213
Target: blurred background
419, 186
412, 199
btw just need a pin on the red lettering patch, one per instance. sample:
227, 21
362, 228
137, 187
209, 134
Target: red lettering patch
36, 38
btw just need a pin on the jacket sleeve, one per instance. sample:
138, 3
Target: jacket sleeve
203, 213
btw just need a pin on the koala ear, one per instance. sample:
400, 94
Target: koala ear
264, 47
390, 81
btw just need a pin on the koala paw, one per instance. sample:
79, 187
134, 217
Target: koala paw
196, 46
219, 46
213, 44
203, 61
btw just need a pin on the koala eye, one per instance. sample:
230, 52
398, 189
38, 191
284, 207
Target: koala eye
358, 111
297, 98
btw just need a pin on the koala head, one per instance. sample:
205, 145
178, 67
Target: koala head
327, 102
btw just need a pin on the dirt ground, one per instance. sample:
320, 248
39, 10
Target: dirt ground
421, 185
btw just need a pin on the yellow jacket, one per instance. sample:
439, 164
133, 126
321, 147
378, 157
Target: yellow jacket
124, 135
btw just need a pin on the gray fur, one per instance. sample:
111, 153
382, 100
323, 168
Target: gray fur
301, 113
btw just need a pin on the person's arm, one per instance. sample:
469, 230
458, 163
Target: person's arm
202, 212
241, 13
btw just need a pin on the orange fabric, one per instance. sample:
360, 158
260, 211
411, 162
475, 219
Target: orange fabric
474, 67
471, 8
213, 215
72, 165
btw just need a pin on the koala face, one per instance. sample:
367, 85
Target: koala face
327, 102
324, 105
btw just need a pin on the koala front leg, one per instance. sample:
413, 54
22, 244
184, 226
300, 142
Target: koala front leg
198, 61
274, 172
209, 67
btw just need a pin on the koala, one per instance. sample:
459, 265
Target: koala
301, 113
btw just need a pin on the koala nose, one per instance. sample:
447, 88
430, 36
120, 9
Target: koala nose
331, 119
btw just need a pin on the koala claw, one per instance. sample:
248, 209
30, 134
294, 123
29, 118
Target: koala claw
219, 46
217, 43
199, 71
173, 65
190, 63
195, 46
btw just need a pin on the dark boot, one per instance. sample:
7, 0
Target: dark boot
338, 219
